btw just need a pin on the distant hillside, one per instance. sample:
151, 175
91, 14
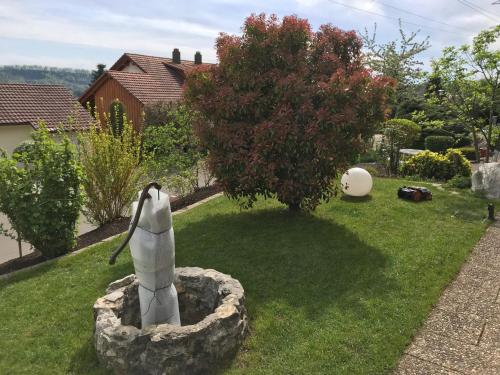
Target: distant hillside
77, 80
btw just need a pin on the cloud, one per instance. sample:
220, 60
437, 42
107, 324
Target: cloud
157, 26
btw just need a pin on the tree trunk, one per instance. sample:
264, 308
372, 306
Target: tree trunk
294, 207
476, 144
19, 245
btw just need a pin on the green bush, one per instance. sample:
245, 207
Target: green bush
172, 150
372, 170
460, 182
433, 165
40, 193
459, 165
113, 173
427, 164
439, 143
398, 134
468, 152
462, 141
368, 157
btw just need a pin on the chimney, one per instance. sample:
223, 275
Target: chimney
197, 58
176, 56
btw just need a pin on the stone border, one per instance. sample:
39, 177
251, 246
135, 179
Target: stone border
35, 266
191, 349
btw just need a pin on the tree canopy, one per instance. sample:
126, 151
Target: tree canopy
285, 109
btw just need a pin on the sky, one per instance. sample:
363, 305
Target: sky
80, 34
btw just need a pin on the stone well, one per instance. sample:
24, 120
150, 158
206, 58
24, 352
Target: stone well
213, 325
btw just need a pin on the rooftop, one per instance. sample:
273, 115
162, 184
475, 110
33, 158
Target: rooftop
30, 104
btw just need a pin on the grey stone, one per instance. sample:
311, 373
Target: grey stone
214, 322
486, 180
410, 365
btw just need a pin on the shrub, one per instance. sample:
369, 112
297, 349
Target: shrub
459, 165
439, 143
368, 157
172, 151
460, 182
173, 142
462, 141
398, 134
427, 164
40, 193
112, 171
372, 170
468, 152
285, 109
433, 165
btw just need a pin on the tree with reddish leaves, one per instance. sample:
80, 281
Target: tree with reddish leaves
286, 109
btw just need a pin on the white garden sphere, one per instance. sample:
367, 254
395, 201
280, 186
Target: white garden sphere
356, 182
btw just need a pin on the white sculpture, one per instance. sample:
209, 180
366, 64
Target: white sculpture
486, 180
356, 182
152, 246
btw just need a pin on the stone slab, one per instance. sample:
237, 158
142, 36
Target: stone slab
462, 327
410, 365
456, 355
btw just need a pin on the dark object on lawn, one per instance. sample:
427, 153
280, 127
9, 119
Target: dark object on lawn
415, 194
144, 195
491, 211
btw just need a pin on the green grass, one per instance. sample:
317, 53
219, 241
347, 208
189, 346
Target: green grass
338, 291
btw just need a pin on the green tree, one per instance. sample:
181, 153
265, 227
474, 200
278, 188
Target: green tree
399, 59
172, 151
95, 74
462, 92
398, 133
286, 109
484, 58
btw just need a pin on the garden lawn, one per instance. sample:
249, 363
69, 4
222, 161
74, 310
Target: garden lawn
338, 291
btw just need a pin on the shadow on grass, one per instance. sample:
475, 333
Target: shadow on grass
308, 262
348, 198
305, 265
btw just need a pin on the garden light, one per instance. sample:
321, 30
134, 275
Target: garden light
491, 211
356, 182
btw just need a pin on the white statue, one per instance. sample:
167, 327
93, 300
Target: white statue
152, 246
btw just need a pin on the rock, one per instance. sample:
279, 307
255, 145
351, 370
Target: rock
486, 180
214, 325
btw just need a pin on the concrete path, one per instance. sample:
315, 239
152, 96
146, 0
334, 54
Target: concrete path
462, 334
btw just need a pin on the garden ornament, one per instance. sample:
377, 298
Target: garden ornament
152, 245
356, 182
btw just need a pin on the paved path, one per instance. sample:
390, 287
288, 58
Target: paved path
462, 334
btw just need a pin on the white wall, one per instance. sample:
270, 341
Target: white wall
12, 135
132, 68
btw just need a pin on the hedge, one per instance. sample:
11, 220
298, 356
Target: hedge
439, 143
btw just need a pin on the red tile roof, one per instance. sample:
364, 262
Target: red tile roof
28, 104
161, 80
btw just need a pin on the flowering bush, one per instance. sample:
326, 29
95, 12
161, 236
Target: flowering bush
432, 165
285, 109
113, 173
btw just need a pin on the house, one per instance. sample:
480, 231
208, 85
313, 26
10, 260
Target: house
135, 81
23, 106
